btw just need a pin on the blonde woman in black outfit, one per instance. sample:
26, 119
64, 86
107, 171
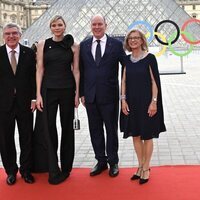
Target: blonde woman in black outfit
57, 80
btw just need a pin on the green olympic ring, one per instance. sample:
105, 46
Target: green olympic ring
176, 53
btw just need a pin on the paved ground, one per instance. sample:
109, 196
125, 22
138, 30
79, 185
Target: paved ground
181, 143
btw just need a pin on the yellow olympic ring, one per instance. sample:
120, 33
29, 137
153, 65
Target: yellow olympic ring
147, 35
162, 51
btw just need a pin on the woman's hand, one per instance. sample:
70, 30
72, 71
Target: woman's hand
76, 100
152, 110
83, 101
39, 103
33, 105
125, 108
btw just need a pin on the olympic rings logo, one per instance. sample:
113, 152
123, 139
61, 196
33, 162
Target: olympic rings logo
186, 36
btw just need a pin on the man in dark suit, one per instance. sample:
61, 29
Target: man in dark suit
99, 64
17, 90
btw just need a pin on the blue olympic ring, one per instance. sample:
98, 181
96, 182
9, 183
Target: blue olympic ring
148, 26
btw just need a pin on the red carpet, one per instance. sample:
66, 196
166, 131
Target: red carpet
166, 183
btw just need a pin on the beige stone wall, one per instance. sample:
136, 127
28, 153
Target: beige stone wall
22, 12
192, 7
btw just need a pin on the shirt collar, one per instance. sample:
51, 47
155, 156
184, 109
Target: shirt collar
9, 49
103, 39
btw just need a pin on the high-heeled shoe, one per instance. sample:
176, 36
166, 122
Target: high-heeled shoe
142, 179
137, 175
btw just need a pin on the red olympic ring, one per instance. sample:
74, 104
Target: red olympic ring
183, 29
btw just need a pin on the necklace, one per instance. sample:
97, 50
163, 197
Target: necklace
134, 60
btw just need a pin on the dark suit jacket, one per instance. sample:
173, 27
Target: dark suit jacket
23, 80
100, 82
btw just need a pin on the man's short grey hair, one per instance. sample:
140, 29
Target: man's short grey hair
12, 25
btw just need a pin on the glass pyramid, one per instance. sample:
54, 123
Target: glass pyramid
120, 15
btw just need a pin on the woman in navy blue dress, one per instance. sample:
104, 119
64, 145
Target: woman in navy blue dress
142, 111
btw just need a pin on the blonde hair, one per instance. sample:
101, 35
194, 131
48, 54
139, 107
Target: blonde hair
56, 18
144, 45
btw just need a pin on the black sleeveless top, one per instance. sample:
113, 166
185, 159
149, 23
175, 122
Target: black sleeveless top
58, 57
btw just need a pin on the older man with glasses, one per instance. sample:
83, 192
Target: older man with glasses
17, 92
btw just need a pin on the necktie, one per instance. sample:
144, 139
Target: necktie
13, 61
98, 52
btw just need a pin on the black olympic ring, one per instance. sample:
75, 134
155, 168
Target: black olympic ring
176, 26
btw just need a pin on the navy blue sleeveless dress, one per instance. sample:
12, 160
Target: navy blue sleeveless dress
139, 96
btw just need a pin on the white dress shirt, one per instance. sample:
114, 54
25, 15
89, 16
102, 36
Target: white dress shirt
102, 43
17, 49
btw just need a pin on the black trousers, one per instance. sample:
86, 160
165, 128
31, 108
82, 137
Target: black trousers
8, 121
64, 98
106, 150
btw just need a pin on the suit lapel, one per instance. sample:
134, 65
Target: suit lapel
108, 48
89, 47
6, 60
22, 53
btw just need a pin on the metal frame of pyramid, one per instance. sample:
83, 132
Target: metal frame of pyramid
119, 14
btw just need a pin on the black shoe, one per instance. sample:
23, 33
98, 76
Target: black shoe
11, 179
28, 178
57, 178
137, 175
114, 170
142, 179
98, 169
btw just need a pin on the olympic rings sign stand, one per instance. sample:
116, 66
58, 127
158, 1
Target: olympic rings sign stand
186, 36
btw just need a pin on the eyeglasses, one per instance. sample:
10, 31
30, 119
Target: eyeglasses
134, 38
11, 33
